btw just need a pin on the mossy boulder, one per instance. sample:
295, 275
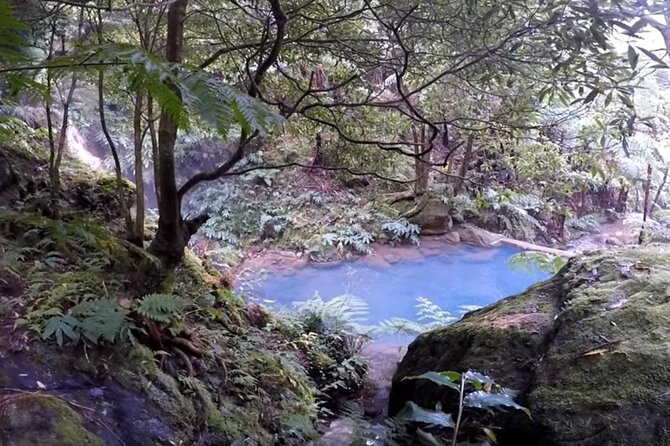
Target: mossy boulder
30, 419
588, 350
429, 213
24, 175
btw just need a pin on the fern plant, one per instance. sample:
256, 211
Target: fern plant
429, 317
475, 392
92, 320
202, 94
346, 312
587, 223
530, 261
163, 308
353, 237
402, 230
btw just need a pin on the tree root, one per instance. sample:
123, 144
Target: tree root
400, 196
416, 209
184, 358
187, 346
222, 364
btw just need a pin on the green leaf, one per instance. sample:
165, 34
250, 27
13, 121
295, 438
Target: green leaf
626, 100
448, 379
637, 26
486, 400
591, 96
415, 413
478, 379
543, 94
652, 56
103, 319
61, 327
633, 57
608, 99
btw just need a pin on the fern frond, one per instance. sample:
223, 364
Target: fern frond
103, 319
162, 308
345, 312
530, 261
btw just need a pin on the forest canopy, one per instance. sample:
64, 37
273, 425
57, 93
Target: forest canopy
487, 98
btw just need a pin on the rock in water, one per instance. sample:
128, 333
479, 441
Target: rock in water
434, 218
473, 235
592, 373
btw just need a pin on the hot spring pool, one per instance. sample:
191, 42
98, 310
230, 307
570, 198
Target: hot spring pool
456, 279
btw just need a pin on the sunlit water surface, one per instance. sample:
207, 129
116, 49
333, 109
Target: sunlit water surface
456, 279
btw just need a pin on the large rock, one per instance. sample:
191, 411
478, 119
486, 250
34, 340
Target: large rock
473, 235
434, 217
10, 190
589, 351
29, 419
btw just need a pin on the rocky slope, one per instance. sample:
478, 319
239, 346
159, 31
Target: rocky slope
214, 371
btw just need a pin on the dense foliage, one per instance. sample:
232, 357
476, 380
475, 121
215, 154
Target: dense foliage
321, 127
527, 110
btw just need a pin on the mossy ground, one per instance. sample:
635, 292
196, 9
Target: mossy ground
29, 419
238, 380
226, 378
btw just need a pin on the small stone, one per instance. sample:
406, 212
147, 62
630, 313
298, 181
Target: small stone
453, 237
95, 393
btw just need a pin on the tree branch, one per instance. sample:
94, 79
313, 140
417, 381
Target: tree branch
280, 23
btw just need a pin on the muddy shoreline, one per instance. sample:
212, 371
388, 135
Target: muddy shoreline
281, 261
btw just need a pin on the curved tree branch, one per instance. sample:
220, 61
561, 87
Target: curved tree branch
280, 23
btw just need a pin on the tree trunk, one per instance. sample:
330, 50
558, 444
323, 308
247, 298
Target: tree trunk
660, 188
56, 153
318, 151
173, 233
464, 164
125, 214
421, 160
125, 211
56, 156
138, 232
47, 110
622, 198
646, 204
154, 148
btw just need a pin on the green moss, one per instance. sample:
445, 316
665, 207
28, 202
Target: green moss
589, 349
192, 278
160, 387
45, 420
108, 185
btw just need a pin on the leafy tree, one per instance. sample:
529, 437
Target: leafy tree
448, 87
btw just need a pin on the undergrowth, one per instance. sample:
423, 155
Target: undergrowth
196, 350
321, 224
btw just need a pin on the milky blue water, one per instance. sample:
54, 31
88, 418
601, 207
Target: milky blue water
459, 277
